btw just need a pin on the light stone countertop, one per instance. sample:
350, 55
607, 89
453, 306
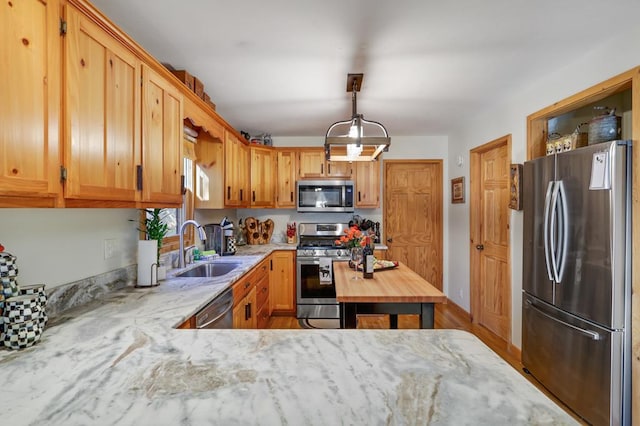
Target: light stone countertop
123, 363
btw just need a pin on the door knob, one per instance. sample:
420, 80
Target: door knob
480, 247
389, 240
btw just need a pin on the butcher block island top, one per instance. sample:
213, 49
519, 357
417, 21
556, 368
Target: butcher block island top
398, 285
124, 363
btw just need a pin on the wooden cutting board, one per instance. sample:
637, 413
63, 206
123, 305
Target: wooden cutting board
258, 232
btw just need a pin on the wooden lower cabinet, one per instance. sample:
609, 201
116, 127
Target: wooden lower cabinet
249, 298
262, 302
244, 315
190, 323
282, 282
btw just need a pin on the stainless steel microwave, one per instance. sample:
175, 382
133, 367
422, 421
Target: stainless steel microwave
325, 195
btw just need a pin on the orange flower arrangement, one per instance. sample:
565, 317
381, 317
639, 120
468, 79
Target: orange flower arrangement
353, 238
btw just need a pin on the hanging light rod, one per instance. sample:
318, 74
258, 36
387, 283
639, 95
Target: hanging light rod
355, 139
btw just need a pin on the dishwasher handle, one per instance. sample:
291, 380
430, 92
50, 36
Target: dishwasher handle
217, 318
224, 301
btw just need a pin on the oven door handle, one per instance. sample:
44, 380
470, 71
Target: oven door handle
309, 261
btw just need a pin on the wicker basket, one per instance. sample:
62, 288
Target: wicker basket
557, 143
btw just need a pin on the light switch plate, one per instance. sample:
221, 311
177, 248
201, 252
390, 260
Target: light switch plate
109, 248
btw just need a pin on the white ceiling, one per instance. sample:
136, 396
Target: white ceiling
280, 66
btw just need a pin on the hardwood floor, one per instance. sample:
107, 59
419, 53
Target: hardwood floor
447, 316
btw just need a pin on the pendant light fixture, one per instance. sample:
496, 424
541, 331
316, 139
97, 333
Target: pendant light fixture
355, 139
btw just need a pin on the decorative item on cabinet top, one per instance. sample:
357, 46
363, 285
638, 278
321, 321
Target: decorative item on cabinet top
258, 232
605, 127
557, 143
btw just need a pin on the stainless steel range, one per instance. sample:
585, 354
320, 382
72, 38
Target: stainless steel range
316, 291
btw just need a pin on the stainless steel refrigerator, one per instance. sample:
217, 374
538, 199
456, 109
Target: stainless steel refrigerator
576, 306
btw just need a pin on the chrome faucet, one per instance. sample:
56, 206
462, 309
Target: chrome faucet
201, 234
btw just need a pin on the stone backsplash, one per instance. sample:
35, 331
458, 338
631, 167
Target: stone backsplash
81, 292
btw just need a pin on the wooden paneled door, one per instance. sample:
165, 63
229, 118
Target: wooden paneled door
413, 215
286, 183
102, 146
30, 100
162, 129
263, 176
490, 279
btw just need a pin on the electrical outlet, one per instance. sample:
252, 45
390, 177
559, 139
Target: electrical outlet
109, 248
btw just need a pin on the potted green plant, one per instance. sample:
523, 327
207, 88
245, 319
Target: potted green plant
155, 228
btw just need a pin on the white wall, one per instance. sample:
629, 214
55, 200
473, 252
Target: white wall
508, 116
58, 246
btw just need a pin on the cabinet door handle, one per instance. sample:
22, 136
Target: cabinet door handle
240, 194
271, 264
292, 196
247, 315
480, 247
139, 177
359, 196
228, 192
254, 196
321, 169
249, 306
329, 168
247, 284
264, 289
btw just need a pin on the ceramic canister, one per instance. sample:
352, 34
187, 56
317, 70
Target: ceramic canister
42, 299
8, 275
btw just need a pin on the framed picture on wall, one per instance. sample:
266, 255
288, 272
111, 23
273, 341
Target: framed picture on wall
457, 190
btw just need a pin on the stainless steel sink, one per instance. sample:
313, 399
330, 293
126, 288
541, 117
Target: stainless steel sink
214, 269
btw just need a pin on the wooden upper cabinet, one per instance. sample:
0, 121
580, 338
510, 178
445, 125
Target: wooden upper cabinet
30, 101
263, 176
162, 129
339, 169
367, 183
237, 172
313, 165
102, 143
286, 182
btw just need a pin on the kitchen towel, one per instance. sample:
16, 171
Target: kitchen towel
326, 271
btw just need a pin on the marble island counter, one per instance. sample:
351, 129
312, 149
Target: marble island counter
124, 363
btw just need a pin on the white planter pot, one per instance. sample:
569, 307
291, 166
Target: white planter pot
147, 266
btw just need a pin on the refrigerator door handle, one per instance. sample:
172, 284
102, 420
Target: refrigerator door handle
546, 235
592, 334
553, 235
563, 233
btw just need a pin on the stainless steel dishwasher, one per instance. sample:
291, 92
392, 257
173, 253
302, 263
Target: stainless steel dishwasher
218, 313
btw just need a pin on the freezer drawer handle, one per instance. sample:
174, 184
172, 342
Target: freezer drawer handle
592, 334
